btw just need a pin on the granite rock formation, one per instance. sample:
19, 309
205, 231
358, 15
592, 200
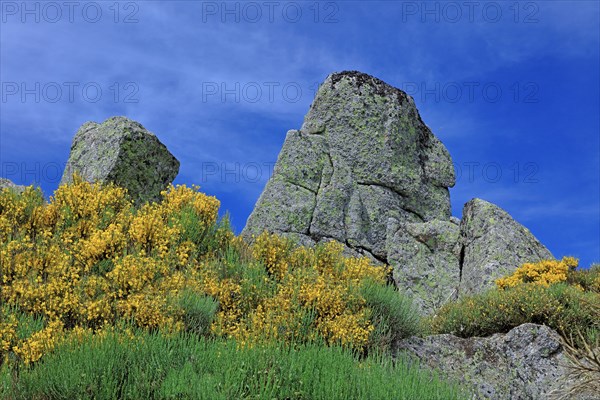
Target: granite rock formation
365, 170
493, 245
7, 183
362, 156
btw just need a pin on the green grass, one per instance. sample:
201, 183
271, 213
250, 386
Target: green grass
27, 323
199, 311
187, 367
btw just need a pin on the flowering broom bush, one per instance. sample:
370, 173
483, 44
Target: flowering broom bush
89, 261
549, 292
545, 273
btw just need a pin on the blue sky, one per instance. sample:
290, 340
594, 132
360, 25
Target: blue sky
512, 89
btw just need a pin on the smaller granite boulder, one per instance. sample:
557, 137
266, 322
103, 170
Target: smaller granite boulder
528, 362
493, 246
123, 152
7, 183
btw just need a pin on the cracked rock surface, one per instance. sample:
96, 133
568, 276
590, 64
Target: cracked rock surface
363, 155
528, 362
365, 170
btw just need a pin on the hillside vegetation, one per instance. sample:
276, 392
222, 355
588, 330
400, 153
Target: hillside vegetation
550, 292
102, 299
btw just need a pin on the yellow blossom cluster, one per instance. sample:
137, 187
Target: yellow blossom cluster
317, 293
88, 261
88, 258
34, 347
273, 252
544, 273
8, 334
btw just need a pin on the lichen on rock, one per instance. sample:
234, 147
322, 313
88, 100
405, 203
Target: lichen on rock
528, 362
365, 170
364, 154
122, 151
494, 245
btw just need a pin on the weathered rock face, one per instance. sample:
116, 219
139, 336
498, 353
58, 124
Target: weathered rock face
7, 183
362, 156
526, 363
122, 151
366, 171
425, 257
494, 246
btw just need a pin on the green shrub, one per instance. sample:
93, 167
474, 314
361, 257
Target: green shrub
89, 259
393, 315
103, 300
562, 307
151, 366
199, 311
587, 279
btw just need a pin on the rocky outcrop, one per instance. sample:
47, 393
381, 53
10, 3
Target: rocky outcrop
494, 245
438, 261
7, 183
122, 151
362, 156
528, 362
366, 171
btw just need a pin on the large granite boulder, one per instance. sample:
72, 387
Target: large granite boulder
437, 261
362, 156
122, 151
493, 246
528, 362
